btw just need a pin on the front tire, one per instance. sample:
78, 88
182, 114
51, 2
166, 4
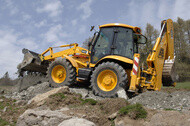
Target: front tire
61, 73
107, 78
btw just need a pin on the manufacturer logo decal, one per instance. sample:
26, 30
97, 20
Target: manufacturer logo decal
161, 53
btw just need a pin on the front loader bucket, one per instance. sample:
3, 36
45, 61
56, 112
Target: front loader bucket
32, 62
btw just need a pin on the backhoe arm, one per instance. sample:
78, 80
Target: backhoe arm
162, 50
160, 62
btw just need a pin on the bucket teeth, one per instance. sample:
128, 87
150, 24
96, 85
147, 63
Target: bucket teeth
168, 74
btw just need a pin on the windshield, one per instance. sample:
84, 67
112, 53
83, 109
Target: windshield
103, 44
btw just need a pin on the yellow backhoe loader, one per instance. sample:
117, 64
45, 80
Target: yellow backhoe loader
111, 61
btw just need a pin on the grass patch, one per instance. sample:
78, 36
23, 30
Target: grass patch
112, 122
90, 101
183, 85
11, 113
179, 86
60, 95
134, 111
2, 106
169, 109
3, 122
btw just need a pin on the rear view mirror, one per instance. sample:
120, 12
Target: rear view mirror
140, 39
92, 28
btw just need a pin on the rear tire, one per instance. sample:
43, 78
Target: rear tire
107, 79
61, 73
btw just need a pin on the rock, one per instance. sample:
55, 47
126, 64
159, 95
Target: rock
122, 93
20, 102
76, 122
2, 91
127, 121
71, 113
30, 92
120, 123
5, 109
85, 93
41, 117
82, 91
92, 96
64, 109
39, 99
1, 100
113, 116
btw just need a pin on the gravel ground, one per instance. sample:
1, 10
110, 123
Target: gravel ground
30, 92
178, 100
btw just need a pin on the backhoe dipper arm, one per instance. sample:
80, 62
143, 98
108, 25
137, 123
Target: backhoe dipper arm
160, 62
162, 50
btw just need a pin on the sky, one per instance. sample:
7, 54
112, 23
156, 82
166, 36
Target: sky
39, 24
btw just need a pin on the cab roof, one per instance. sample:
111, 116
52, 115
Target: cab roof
135, 29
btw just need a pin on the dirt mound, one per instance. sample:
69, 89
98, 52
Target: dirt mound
178, 100
9, 110
64, 98
95, 111
111, 106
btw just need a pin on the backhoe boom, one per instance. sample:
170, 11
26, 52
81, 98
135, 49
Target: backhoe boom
160, 62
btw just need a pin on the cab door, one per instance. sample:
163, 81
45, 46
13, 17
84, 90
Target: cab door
123, 42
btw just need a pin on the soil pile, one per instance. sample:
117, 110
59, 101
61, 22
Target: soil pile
177, 100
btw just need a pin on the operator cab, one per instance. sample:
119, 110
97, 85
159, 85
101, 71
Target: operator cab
116, 39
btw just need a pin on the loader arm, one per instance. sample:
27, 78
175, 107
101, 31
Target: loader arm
162, 54
34, 62
75, 54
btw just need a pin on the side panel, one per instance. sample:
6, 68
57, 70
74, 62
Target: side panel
118, 58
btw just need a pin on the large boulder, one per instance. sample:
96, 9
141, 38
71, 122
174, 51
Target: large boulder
121, 93
40, 99
76, 122
41, 118
30, 92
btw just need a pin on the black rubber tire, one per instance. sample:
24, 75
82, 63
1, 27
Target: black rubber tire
70, 73
121, 76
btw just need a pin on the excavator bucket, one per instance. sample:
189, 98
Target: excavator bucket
32, 63
169, 76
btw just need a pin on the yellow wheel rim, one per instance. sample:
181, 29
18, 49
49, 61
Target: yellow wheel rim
107, 80
58, 74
